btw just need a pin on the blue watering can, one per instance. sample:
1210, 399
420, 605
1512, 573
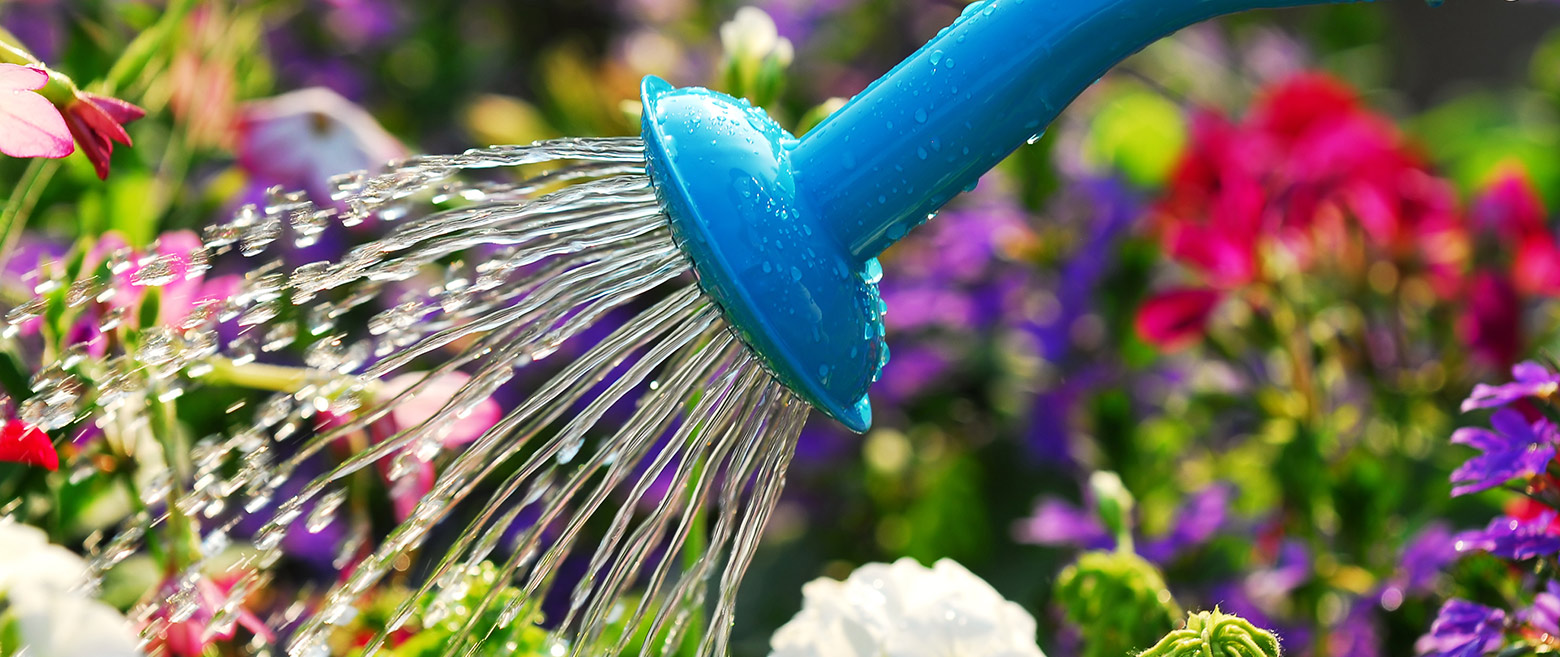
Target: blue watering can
783, 232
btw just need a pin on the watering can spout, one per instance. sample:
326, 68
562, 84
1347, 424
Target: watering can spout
981, 88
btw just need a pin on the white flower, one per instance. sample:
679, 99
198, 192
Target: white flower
751, 34
38, 582
303, 138
905, 609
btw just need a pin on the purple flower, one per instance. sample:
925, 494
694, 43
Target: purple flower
1420, 566
1057, 522
1108, 210
796, 19
1512, 538
1060, 523
1463, 629
1515, 449
1530, 380
1358, 634
913, 369
1198, 519
1291, 570
1545, 612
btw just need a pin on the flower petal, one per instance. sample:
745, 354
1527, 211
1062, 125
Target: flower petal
30, 126
120, 111
1174, 319
18, 77
94, 147
24, 443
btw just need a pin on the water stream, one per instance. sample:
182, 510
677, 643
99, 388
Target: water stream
654, 455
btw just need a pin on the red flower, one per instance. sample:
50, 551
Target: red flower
97, 122
1176, 318
30, 126
1527, 509
1290, 111
24, 443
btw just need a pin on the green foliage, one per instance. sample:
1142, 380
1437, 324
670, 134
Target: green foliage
1139, 133
520, 637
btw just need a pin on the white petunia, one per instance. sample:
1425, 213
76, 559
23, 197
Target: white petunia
38, 583
751, 33
905, 609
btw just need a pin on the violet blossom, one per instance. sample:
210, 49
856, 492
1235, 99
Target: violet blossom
1512, 538
1515, 449
1463, 629
1545, 612
1420, 565
1060, 523
1529, 380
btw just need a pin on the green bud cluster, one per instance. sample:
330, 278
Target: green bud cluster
1216, 634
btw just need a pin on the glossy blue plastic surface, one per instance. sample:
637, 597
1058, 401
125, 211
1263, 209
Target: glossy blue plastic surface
783, 232
723, 172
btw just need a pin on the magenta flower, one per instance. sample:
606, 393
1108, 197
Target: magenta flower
409, 413
1175, 319
97, 123
303, 138
1463, 629
1529, 380
1514, 539
30, 126
1058, 522
1491, 321
1515, 449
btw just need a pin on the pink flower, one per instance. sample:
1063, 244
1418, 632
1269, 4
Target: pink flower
408, 413
1176, 318
303, 138
97, 122
26, 444
30, 126
181, 288
192, 636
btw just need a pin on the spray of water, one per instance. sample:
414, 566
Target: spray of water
579, 467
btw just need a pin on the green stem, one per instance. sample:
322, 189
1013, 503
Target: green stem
24, 196
143, 48
134, 491
258, 376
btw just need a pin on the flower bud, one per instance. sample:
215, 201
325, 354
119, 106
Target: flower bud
1118, 600
1216, 633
